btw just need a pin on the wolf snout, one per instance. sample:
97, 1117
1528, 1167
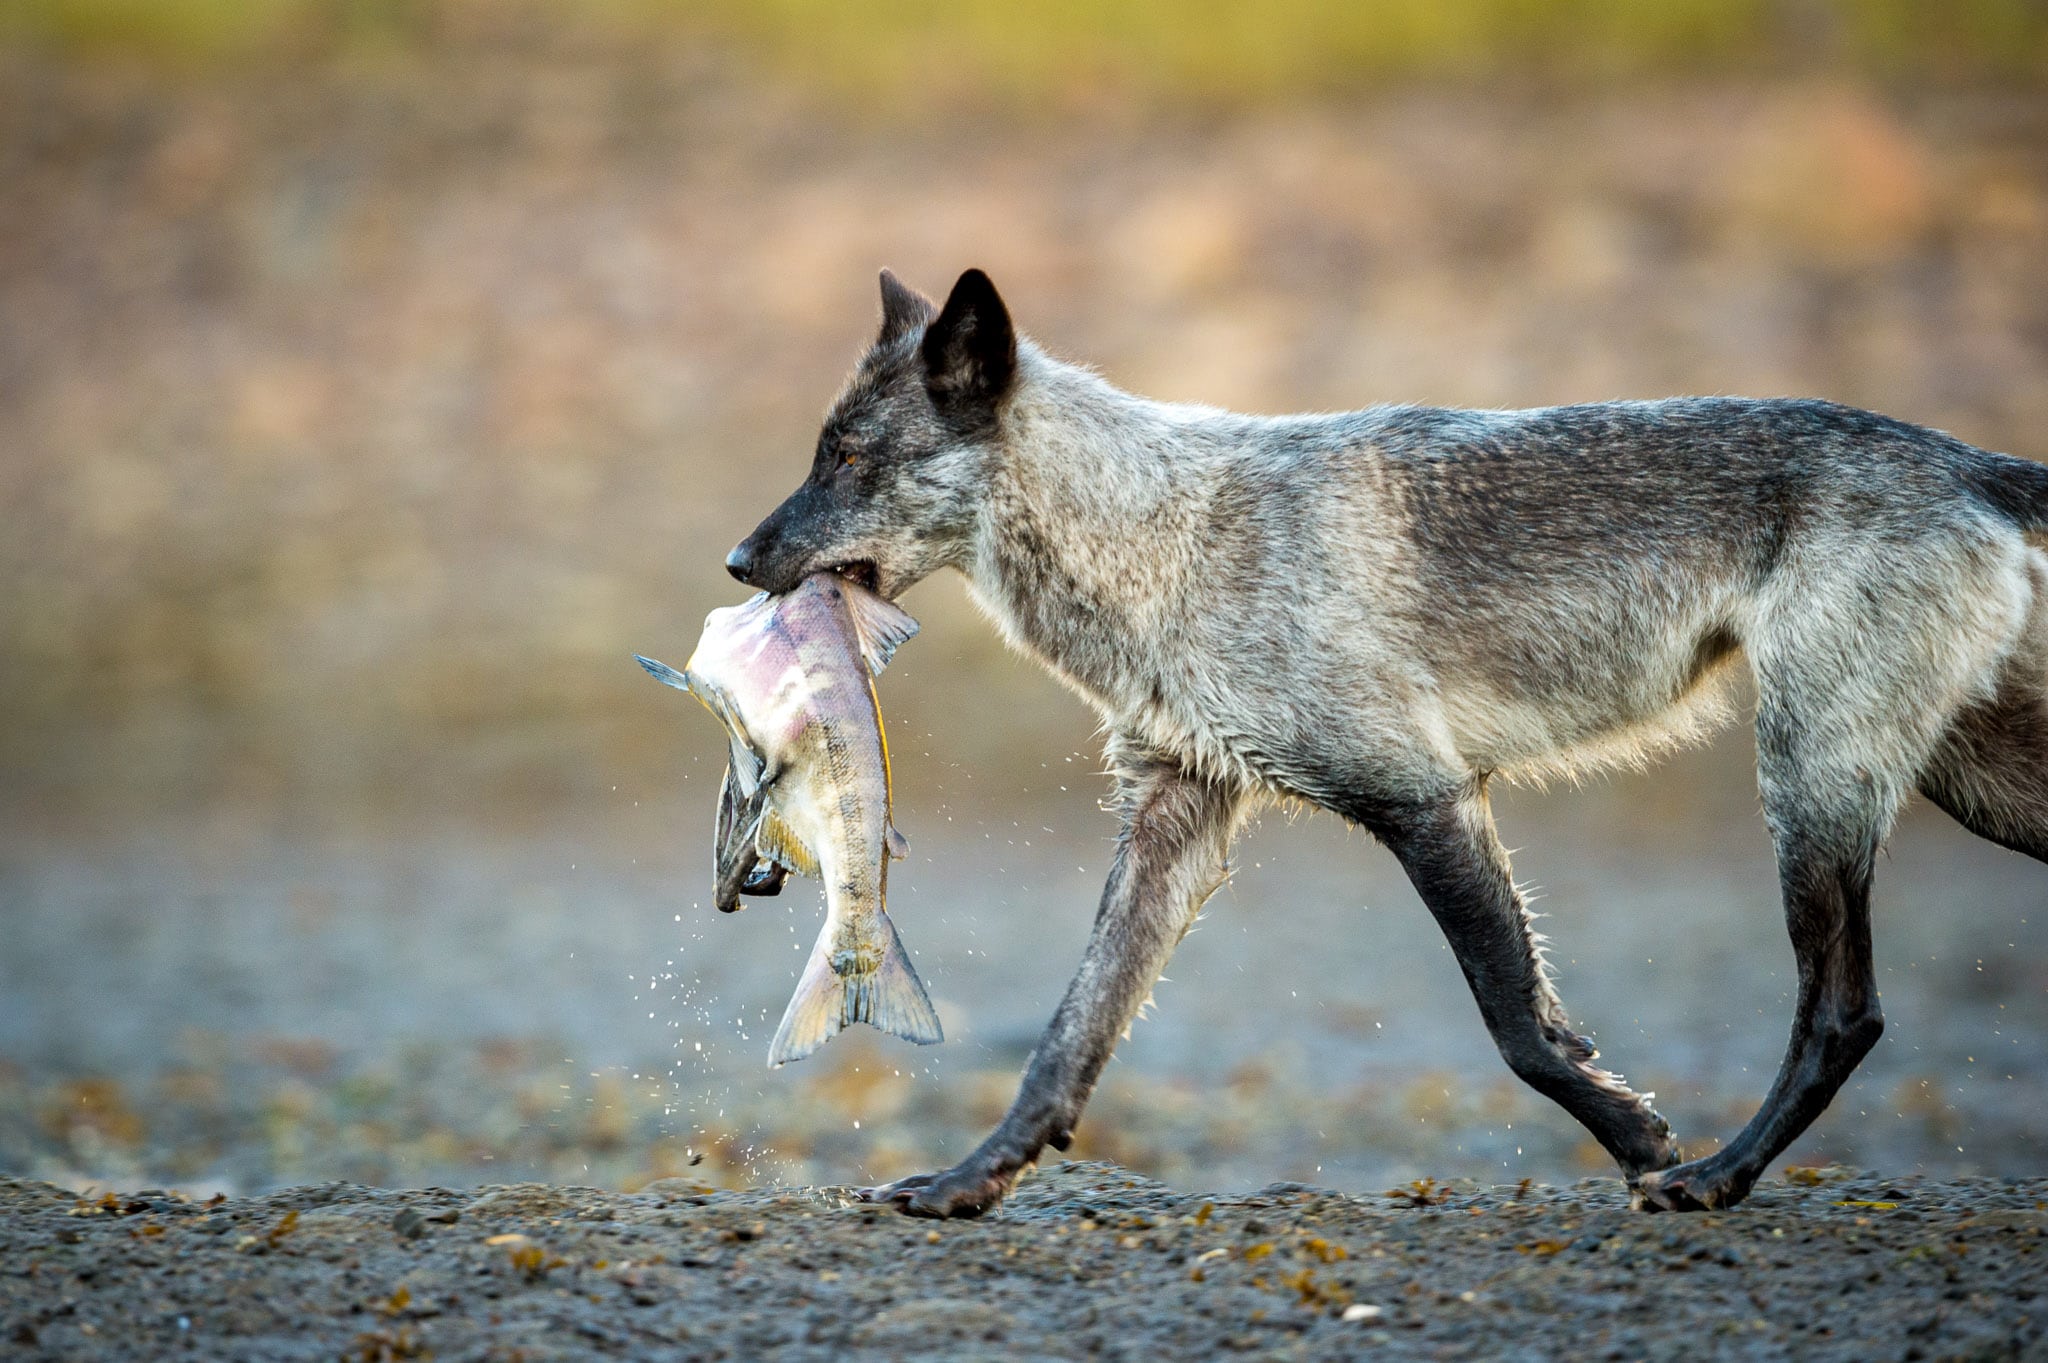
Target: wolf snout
769, 562
741, 563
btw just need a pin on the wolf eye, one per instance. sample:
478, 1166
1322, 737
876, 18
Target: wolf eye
848, 458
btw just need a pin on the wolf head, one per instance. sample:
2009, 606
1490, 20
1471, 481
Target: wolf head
905, 451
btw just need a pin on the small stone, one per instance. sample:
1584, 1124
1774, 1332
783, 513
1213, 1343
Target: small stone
409, 1224
1359, 1311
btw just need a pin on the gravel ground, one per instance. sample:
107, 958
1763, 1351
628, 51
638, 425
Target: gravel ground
1087, 1260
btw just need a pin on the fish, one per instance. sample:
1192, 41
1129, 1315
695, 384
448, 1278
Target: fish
807, 789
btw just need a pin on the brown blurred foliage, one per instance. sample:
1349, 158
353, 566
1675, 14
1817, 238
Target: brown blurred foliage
359, 419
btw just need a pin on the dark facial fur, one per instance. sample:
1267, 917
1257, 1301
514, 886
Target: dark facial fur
902, 453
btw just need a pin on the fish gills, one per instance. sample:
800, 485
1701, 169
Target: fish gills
888, 995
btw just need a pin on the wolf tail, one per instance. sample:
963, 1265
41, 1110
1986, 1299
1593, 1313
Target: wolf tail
2015, 488
889, 996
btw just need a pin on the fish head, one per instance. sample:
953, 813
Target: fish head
745, 873
905, 453
738, 866
736, 658
732, 846
730, 631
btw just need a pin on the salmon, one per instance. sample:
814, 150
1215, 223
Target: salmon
807, 789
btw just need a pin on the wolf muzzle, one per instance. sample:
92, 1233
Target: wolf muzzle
740, 562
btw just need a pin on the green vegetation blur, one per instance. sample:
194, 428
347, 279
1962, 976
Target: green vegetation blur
1169, 48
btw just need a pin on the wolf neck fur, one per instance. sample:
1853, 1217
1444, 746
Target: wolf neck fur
1054, 562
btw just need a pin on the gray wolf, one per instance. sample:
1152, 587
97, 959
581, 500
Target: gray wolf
1381, 612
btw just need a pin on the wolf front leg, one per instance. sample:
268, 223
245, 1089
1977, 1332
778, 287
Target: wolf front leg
1170, 857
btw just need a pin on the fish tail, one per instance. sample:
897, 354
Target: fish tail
816, 1012
890, 997
893, 997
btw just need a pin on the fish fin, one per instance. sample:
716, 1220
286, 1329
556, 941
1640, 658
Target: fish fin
879, 624
777, 841
745, 772
890, 997
716, 699
893, 997
720, 703
663, 673
743, 764
899, 846
816, 1012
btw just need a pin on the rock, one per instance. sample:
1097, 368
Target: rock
531, 1199
676, 1189
920, 1324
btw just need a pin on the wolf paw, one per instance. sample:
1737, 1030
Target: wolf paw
1695, 1187
962, 1191
1659, 1150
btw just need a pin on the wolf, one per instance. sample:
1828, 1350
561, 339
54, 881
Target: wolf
1382, 612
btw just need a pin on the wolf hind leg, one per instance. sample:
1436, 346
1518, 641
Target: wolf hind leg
1990, 770
1827, 819
1454, 857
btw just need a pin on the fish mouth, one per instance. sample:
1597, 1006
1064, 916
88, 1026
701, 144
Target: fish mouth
861, 572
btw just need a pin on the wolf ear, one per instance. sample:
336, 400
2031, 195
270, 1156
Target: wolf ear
970, 352
904, 309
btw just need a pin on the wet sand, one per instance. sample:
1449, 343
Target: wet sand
1086, 1260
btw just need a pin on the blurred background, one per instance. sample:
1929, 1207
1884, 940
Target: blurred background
377, 376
